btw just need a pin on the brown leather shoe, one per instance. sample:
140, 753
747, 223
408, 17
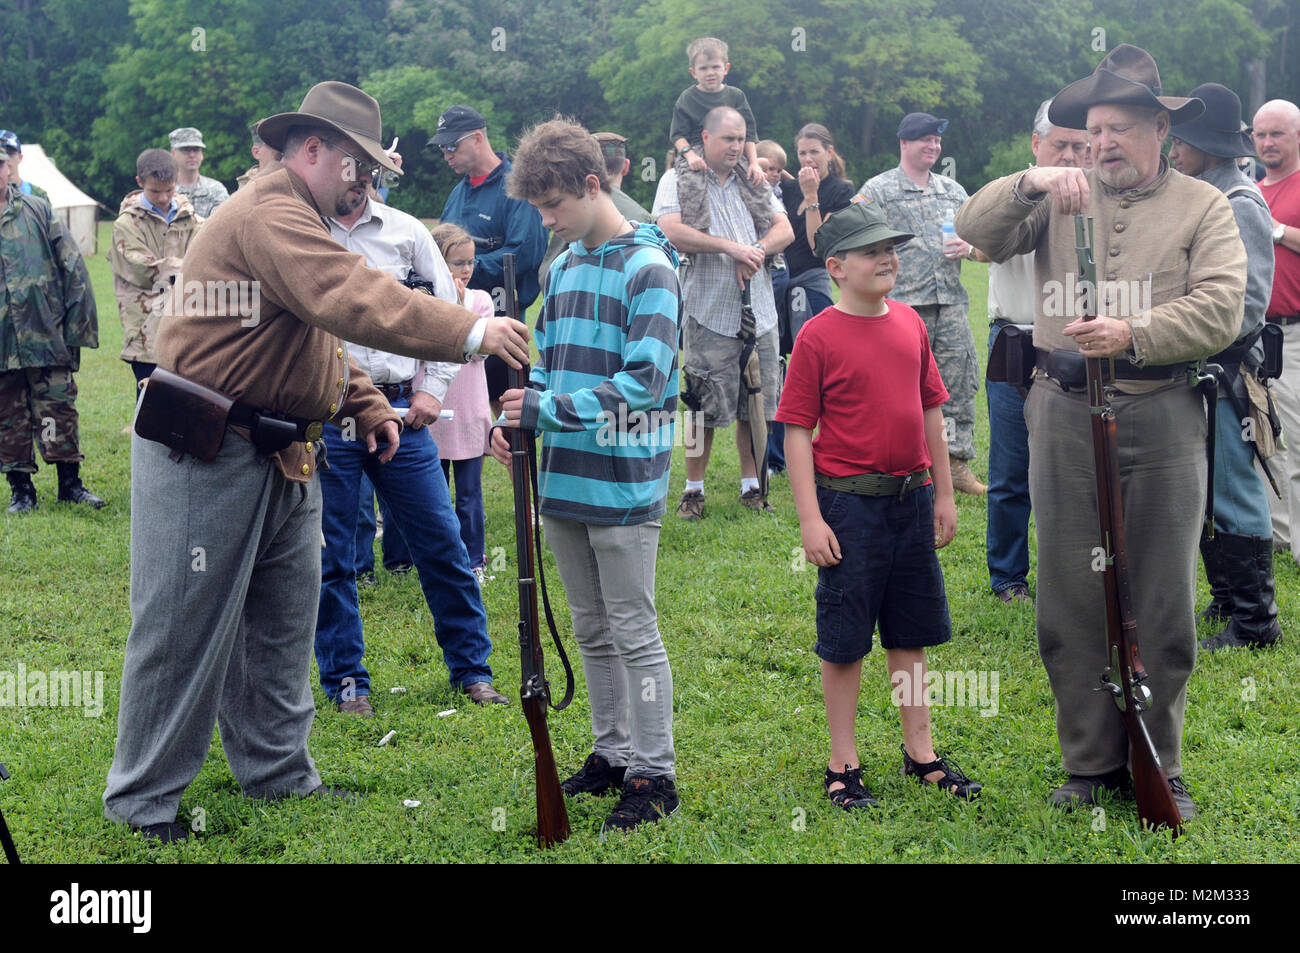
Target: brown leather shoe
963, 480
482, 693
1017, 592
691, 508
359, 706
755, 500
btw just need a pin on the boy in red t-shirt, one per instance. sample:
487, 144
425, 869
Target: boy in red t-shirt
873, 492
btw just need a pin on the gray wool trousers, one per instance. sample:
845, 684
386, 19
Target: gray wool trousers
225, 580
1162, 464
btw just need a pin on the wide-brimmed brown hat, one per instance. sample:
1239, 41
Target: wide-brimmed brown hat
1126, 77
340, 106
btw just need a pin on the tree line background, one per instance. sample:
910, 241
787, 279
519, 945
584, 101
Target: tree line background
97, 81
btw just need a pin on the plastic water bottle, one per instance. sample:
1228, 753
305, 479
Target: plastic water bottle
949, 232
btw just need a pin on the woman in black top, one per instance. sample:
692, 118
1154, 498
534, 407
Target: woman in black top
820, 189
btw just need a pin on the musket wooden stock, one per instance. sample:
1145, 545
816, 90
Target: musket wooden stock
1124, 677
534, 692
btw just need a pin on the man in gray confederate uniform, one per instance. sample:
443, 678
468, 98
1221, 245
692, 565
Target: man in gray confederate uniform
1171, 274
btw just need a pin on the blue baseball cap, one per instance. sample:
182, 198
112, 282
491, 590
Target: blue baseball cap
920, 125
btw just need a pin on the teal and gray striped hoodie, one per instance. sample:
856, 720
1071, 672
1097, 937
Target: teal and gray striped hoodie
604, 388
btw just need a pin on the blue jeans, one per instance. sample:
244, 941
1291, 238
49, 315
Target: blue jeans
392, 545
809, 295
469, 505
1241, 504
412, 487
776, 433
1007, 538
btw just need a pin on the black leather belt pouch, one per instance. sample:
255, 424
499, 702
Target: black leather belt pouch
1272, 336
1012, 359
271, 435
1068, 368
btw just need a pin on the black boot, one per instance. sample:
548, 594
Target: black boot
1220, 606
23, 497
70, 488
1249, 567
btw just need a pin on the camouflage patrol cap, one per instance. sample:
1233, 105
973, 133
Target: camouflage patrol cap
186, 137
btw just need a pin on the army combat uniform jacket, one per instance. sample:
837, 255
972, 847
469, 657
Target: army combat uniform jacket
47, 310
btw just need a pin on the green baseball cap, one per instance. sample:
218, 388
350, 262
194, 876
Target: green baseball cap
859, 225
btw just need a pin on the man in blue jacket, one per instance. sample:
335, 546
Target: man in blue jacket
604, 392
499, 224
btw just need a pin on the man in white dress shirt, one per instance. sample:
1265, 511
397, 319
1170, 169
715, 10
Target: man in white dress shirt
411, 486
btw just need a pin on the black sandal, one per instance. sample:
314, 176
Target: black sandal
954, 779
854, 794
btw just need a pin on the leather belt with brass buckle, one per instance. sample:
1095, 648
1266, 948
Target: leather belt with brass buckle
272, 432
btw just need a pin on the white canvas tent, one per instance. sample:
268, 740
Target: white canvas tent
74, 207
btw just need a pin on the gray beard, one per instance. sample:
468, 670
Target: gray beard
1124, 180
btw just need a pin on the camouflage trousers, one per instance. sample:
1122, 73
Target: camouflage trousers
953, 346
37, 403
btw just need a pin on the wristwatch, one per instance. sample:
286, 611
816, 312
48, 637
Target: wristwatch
1278, 233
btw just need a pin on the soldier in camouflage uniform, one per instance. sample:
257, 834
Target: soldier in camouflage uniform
918, 201
204, 194
153, 230
14, 153
47, 314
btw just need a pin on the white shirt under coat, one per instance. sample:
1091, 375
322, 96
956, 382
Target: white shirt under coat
397, 243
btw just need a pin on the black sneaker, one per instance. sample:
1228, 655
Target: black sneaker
596, 776
644, 800
400, 569
164, 832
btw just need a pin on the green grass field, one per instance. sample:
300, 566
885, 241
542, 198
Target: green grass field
736, 612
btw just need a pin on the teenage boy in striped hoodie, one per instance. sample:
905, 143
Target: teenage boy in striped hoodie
604, 393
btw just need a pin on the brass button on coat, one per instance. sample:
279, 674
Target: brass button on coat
305, 469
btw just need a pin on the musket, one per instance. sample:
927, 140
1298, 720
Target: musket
1124, 677
534, 691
